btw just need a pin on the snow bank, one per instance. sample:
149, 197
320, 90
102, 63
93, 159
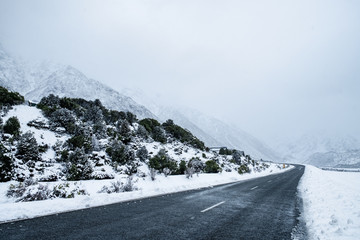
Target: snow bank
331, 204
9, 210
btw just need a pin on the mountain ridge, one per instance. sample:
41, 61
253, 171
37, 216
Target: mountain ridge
35, 81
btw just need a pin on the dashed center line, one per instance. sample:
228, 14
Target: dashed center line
207, 209
270, 181
254, 188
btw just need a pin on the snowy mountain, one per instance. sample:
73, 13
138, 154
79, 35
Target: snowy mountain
350, 158
209, 129
37, 80
323, 151
231, 136
12, 75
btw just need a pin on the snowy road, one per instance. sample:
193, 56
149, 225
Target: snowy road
262, 208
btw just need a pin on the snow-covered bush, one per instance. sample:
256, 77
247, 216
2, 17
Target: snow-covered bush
196, 164
18, 190
35, 193
63, 118
78, 166
94, 114
102, 175
31, 190
118, 186
124, 130
236, 157
189, 172
64, 190
142, 154
142, 132
244, 169
28, 149
120, 153
159, 135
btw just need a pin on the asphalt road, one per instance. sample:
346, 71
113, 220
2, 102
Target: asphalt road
262, 208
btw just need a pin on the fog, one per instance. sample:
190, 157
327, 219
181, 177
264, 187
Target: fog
276, 69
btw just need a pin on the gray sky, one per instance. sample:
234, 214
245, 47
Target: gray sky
275, 68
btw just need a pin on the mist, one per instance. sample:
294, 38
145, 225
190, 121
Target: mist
276, 69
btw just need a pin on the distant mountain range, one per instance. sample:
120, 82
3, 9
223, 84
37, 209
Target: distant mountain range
323, 151
37, 80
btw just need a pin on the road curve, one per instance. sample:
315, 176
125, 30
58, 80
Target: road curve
262, 208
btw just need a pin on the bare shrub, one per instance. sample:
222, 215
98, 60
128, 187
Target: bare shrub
118, 186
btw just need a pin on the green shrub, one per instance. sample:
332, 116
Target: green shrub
153, 127
120, 153
162, 161
159, 135
182, 167
28, 149
243, 169
10, 98
182, 134
225, 151
12, 126
68, 103
43, 148
149, 124
212, 167
6, 168
79, 141
78, 166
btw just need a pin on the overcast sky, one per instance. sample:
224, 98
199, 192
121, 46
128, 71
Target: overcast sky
275, 68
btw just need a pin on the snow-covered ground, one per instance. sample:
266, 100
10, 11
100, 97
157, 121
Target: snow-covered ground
331, 204
10, 210
25, 114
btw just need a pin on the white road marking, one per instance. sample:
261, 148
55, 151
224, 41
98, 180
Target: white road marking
207, 209
270, 181
254, 188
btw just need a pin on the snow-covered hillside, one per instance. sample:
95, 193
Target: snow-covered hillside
73, 148
37, 80
331, 204
212, 131
322, 150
